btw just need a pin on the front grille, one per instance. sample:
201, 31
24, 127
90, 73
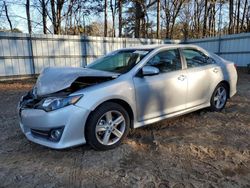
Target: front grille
39, 133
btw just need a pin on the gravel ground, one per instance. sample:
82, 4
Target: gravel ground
201, 149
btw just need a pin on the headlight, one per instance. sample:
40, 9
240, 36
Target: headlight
54, 103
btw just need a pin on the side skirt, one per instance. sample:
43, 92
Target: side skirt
175, 114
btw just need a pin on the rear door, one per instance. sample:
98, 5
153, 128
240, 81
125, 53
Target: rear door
201, 71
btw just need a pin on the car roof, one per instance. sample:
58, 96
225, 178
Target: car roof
158, 46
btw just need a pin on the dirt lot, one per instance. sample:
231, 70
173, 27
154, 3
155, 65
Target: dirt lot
201, 149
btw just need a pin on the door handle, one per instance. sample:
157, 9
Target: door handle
182, 77
215, 70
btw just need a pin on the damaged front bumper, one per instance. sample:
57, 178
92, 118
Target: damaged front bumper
48, 114
37, 126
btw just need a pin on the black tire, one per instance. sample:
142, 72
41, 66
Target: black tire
93, 120
213, 105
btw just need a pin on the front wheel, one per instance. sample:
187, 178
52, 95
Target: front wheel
219, 97
107, 126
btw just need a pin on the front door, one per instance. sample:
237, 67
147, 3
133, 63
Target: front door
164, 93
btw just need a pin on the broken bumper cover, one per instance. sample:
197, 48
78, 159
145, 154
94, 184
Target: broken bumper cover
71, 119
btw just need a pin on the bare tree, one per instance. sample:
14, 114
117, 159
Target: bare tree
231, 17
205, 19
138, 17
186, 19
7, 15
172, 9
244, 15
158, 18
53, 13
113, 12
211, 19
56, 11
140, 11
120, 17
238, 17
105, 18
27, 6
248, 19
58, 14
198, 10
44, 14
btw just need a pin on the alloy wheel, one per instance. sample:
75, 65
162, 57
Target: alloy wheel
110, 127
220, 97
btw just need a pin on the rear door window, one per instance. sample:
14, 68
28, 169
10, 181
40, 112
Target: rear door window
195, 58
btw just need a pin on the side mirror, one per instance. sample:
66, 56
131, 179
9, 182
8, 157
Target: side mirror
149, 70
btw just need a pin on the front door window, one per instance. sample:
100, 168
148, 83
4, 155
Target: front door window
166, 61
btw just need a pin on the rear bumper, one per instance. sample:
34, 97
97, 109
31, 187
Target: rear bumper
233, 83
71, 118
233, 92
230, 75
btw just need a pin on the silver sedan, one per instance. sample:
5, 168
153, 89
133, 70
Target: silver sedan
123, 90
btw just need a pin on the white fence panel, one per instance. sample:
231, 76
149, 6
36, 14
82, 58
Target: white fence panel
22, 54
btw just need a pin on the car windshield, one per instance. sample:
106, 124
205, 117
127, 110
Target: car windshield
119, 61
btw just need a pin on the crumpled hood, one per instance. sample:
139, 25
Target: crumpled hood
54, 79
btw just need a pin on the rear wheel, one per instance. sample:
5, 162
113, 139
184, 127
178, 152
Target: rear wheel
219, 97
107, 126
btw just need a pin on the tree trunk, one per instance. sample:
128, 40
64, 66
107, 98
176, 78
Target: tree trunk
113, 16
195, 18
243, 16
53, 12
158, 18
213, 18
105, 18
143, 28
44, 15
7, 15
138, 12
120, 17
27, 5
231, 12
210, 20
167, 19
248, 19
205, 20
58, 14
238, 17
147, 24
185, 31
